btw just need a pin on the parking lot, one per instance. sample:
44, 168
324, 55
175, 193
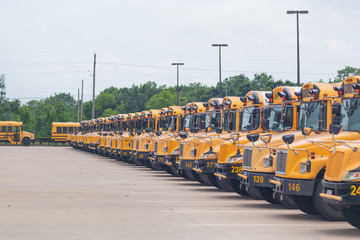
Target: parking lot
63, 193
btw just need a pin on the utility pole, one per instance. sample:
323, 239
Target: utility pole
219, 46
93, 103
78, 104
297, 12
82, 98
177, 81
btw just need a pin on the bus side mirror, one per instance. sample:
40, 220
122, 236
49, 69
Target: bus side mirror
306, 131
336, 108
335, 129
139, 133
183, 135
265, 123
120, 133
219, 130
253, 137
147, 130
288, 139
266, 138
158, 133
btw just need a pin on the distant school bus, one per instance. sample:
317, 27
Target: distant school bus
11, 132
60, 130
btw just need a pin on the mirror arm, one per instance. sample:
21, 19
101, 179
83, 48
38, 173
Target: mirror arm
296, 151
345, 143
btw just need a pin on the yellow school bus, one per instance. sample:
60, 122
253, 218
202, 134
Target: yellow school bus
60, 130
11, 132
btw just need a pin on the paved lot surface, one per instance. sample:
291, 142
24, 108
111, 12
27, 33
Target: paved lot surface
62, 193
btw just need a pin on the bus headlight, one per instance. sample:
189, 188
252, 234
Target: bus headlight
352, 175
207, 155
234, 159
268, 162
175, 152
305, 167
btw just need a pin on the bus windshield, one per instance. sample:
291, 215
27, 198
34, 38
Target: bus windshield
350, 114
250, 115
309, 115
229, 120
215, 120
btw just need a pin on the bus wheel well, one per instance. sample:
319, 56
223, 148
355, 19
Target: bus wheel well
321, 174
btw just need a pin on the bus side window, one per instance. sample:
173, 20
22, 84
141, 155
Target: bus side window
3, 128
58, 129
71, 129
9, 128
65, 129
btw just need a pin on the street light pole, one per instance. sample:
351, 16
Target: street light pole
177, 81
298, 46
220, 45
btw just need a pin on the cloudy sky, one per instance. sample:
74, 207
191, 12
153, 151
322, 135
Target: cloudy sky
47, 46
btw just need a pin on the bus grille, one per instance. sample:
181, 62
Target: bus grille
247, 157
155, 147
281, 160
181, 150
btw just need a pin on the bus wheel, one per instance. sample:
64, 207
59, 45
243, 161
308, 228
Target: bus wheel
254, 192
287, 201
326, 210
165, 168
175, 172
238, 188
205, 179
224, 184
268, 195
189, 175
352, 215
25, 142
306, 204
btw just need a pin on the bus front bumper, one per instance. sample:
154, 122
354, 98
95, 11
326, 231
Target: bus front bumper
256, 179
341, 193
293, 186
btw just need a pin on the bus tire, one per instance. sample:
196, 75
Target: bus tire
287, 201
238, 188
268, 195
352, 215
306, 204
26, 142
325, 209
254, 192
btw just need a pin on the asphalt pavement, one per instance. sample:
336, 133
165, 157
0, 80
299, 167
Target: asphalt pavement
62, 193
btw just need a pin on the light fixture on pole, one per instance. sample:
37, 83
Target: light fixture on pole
219, 46
298, 47
177, 81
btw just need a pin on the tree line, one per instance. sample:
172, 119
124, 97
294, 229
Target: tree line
37, 115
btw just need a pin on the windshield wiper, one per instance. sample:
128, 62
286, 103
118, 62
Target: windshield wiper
351, 109
310, 109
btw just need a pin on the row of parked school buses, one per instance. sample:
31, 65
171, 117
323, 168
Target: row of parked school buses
293, 146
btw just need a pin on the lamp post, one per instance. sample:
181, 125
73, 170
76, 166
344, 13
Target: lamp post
177, 81
219, 46
298, 47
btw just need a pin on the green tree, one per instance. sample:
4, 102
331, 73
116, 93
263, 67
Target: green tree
346, 72
163, 99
